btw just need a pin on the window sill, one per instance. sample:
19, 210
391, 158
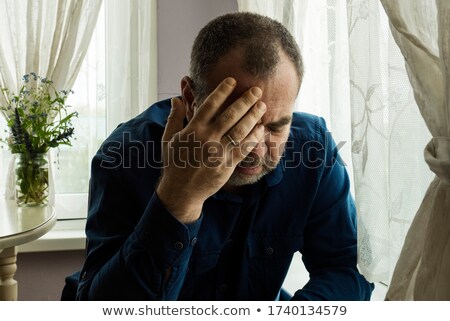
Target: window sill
67, 235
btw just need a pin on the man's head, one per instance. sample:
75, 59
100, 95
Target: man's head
256, 51
260, 39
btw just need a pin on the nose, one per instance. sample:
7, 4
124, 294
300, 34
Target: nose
261, 148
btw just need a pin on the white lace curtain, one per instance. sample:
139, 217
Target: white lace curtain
355, 78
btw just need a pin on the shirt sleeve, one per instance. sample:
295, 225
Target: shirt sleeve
330, 238
130, 254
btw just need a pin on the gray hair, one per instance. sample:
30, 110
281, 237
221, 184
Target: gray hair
260, 37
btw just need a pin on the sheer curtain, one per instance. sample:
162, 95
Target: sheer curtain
355, 78
388, 135
422, 31
116, 80
131, 64
48, 37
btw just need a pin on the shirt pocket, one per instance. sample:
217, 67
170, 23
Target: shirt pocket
270, 256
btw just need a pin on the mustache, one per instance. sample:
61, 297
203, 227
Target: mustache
251, 161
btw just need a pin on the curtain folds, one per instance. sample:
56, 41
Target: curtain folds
117, 78
422, 31
48, 37
131, 58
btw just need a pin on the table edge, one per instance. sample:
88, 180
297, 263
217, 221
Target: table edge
30, 235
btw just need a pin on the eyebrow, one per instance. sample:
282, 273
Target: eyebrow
283, 121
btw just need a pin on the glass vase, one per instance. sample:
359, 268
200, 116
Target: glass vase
31, 179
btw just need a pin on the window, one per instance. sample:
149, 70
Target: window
71, 164
123, 52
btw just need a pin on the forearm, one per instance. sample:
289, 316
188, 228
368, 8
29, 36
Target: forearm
150, 264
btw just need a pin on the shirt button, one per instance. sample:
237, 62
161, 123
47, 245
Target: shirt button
269, 251
193, 241
178, 246
84, 275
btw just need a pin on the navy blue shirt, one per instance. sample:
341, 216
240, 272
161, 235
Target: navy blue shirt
242, 245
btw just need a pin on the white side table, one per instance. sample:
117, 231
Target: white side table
19, 225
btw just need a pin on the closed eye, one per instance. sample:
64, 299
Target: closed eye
279, 125
275, 130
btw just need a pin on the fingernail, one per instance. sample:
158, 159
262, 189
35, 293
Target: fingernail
230, 81
261, 106
256, 91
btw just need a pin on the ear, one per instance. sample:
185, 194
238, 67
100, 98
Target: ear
188, 96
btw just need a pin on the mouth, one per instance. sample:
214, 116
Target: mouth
249, 170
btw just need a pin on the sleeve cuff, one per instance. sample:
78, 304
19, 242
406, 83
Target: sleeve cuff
166, 237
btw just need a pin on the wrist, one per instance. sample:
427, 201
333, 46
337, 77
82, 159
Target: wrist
184, 209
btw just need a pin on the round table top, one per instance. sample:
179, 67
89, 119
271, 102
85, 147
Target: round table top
19, 225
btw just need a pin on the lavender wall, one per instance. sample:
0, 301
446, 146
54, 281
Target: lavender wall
178, 23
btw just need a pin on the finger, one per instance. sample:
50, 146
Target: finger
248, 144
245, 125
175, 121
209, 108
231, 116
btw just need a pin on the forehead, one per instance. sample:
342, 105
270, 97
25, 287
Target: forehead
280, 89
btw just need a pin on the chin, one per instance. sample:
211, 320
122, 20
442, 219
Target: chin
240, 179
250, 175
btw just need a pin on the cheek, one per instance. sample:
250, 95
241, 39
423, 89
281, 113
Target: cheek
276, 145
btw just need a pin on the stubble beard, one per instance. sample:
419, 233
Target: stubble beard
240, 179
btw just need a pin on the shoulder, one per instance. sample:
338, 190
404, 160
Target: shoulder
154, 116
309, 143
149, 123
307, 127
136, 135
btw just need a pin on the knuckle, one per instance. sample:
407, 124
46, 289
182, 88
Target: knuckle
254, 136
228, 115
196, 124
239, 132
211, 101
247, 99
255, 115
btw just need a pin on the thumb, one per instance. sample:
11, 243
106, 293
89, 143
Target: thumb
175, 121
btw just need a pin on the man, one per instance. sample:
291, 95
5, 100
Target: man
211, 201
